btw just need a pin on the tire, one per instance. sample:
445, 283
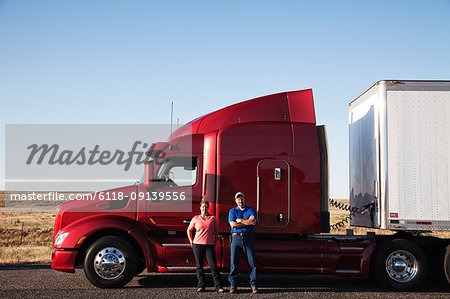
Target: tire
447, 264
400, 265
110, 262
140, 268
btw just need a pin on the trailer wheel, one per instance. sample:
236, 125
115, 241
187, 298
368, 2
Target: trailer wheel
110, 262
400, 265
447, 264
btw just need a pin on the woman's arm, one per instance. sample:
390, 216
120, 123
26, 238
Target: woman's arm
216, 232
189, 231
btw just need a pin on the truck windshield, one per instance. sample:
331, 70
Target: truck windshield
177, 172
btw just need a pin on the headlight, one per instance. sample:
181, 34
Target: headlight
60, 238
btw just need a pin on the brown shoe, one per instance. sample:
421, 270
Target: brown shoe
200, 290
220, 290
233, 290
254, 290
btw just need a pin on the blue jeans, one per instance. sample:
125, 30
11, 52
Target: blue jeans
247, 245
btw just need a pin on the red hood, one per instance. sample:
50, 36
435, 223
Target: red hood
94, 204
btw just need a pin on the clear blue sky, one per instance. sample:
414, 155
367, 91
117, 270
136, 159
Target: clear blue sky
125, 61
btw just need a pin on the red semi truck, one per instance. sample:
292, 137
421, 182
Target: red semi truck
271, 149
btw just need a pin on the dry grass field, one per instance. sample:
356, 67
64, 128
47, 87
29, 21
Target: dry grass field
25, 237
33, 242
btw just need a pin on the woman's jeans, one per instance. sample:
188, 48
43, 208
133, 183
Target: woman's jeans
199, 252
246, 244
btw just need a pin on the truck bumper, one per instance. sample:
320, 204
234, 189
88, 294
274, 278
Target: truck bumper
64, 260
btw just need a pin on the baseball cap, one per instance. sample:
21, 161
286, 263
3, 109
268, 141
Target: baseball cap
239, 194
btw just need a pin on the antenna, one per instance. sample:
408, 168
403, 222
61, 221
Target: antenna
171, 120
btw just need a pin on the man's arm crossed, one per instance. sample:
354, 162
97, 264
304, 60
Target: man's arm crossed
249, 221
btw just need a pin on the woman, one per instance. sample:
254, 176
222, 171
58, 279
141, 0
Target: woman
206, 233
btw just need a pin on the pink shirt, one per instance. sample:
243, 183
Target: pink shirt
204, 229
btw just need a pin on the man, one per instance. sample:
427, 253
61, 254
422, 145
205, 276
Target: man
242, 220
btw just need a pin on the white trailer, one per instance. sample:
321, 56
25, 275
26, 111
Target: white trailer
400, 177
400, 156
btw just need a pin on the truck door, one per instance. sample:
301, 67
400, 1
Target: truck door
176, 193
273, 196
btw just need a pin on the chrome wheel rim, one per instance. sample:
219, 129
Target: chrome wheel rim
109, 263
401, 266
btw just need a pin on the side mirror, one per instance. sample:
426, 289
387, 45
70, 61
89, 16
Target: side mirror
148, 173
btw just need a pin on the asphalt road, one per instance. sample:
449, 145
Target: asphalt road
39, 281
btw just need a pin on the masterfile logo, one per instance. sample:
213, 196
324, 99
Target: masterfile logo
77, 157
50, 164
53, 154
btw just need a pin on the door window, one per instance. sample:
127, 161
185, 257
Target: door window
177, 172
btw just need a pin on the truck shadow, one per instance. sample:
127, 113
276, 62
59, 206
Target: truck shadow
25, 266
273, 284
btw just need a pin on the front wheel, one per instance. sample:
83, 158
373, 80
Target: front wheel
400, 265
110, 262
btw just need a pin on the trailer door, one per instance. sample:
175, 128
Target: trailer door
273, 198
364, 158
